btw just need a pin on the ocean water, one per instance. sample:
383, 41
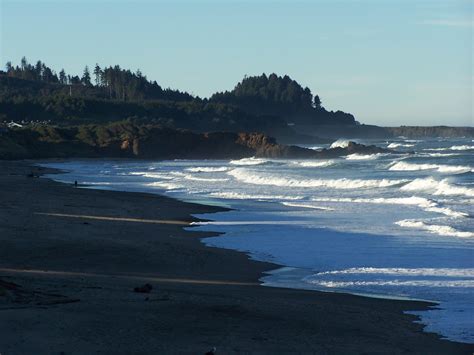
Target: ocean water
383, 225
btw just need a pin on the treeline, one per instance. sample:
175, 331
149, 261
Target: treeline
111, 82
270, 104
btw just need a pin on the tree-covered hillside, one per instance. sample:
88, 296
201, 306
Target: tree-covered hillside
282, 96
35, 92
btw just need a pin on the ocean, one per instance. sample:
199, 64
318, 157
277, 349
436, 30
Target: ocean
382, 225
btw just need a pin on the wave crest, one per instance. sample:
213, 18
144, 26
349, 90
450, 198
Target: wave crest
242, 196
356, 156
426, 204
454, 169
399, 145
434, 228
443, 272
454, 147
207, 169
249, 161
437, 187
249, 177
340, 143
314, 164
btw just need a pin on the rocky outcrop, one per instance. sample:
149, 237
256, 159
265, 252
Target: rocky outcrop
126, 140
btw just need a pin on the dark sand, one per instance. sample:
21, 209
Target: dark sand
76, 276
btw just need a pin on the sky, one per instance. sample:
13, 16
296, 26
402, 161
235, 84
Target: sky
388, 62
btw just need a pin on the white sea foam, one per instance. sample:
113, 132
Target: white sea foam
398, 145
462, 147
447, 211
152, 175
450, 169
454, 147
340, 143
437, 187
439, 155
249, 161
395, 283
250, 177
426, 204
314, 164
364, 157
413, 200
243, 196
443, 272
305, 205
197, 178
207, 169
434, 228
165, 185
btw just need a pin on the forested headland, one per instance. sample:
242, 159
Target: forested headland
36, 92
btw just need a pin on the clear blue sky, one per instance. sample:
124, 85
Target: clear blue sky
388, 62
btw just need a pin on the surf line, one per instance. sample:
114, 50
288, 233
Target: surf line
119, 219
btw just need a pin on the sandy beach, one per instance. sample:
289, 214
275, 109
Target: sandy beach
70, 259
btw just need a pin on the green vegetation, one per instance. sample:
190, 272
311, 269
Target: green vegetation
276, 95
32, 93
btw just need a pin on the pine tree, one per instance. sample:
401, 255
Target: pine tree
39, 70
98, 75
86, 77
316, 102
62, 77
24, 63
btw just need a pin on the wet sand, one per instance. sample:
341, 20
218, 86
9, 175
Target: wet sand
71, 257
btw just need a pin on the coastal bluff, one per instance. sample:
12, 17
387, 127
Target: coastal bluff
126, 140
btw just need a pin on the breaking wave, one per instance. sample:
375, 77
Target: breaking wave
206, 169
424, 203
437, 187
152, 175
340, 143
249, 177
165, 185
314, 164
395, 283
197, 178
443, 272
434, 228
364, 157
249, 161
242, 196
462, 147
399, 145
450, 169
439, 155
454, 147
